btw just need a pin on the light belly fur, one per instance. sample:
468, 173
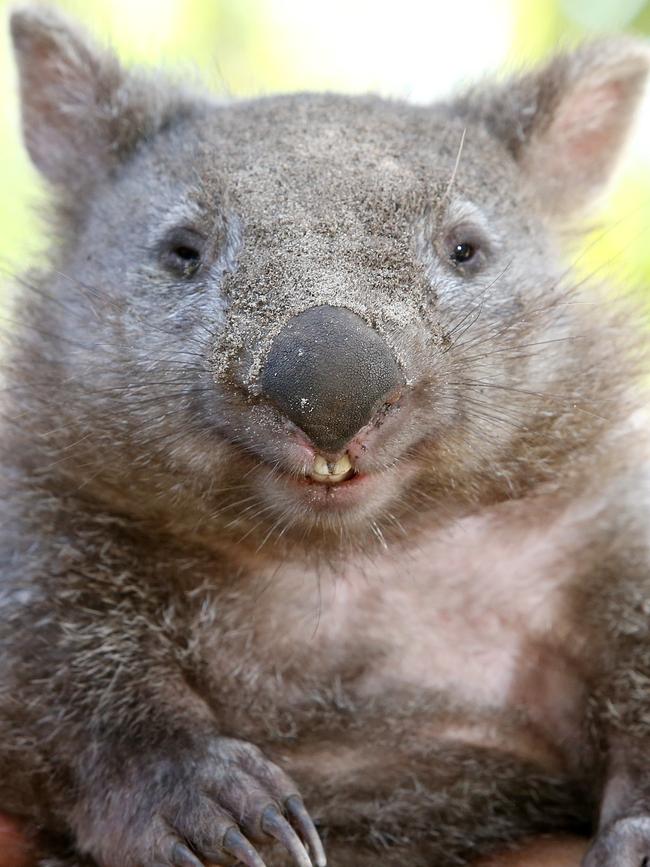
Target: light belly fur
478, 616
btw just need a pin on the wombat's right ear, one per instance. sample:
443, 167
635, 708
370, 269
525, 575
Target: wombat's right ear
565, 123
81, 112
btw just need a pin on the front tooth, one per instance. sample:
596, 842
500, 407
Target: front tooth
341, 467
330, 471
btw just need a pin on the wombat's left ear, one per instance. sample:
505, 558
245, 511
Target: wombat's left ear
567, 122
81, 111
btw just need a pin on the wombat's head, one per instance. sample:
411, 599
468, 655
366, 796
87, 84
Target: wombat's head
313, 317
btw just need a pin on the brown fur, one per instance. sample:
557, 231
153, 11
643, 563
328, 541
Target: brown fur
446, 665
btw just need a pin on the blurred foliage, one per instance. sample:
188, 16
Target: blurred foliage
415, 48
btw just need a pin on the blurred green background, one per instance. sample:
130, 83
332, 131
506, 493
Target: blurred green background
413, 49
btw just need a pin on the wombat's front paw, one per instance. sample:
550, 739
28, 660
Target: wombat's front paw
625, 843
206, 811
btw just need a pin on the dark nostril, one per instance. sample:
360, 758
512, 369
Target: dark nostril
329, 373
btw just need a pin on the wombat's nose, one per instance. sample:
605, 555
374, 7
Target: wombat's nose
329, 373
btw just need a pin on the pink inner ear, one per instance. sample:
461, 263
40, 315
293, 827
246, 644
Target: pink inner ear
58, 82
67, 86
575, 155
591, 125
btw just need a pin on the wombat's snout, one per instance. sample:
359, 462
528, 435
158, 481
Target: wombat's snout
329, 373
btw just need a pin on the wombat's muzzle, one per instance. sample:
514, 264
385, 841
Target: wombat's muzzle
329, 373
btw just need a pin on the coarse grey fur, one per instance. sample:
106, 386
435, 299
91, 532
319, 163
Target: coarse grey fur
174, 651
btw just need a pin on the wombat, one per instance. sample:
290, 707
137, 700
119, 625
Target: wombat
325, 490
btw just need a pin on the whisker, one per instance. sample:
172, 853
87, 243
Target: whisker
454, 172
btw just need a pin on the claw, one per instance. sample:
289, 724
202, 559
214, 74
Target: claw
182, 857
275, 825
235, 844
302, 821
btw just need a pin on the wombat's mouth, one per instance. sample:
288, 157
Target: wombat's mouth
329, 472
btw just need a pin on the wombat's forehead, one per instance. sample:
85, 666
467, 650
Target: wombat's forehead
328, 150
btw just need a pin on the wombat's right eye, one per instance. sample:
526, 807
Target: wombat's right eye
182, 252
466, 248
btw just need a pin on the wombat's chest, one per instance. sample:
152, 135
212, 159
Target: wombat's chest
478, 616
